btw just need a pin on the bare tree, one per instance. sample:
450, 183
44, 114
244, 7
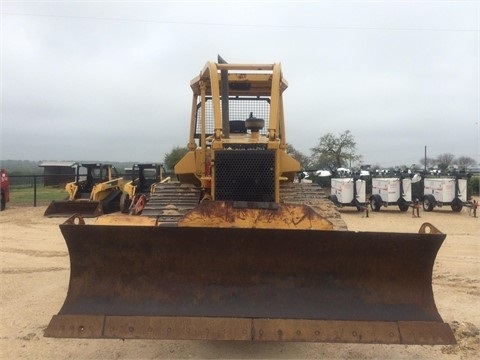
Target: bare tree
445, 160
464, 162
335, 151
428, 162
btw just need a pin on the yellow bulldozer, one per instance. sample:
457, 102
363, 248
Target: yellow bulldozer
97, 190
236, 250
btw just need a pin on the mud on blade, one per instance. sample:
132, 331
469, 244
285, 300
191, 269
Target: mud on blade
250, 284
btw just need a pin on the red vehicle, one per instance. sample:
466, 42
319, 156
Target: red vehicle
5, 188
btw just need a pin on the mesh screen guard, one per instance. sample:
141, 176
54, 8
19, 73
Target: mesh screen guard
239, 109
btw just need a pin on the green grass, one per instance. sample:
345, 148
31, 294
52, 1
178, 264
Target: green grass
45, 194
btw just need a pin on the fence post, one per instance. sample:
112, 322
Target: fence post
34, 191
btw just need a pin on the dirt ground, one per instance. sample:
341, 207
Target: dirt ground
34, 280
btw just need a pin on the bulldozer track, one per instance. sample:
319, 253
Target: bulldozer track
171, 201
314, 196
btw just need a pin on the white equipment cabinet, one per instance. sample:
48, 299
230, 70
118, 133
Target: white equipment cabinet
391, 191
444, 191
348, 192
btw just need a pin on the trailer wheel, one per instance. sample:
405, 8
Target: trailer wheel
457, 205
429, 202
403, 204
376, 202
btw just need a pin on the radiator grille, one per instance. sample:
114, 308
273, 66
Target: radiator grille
245, 175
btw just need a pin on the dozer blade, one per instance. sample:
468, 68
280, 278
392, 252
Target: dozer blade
87, 209
250, 284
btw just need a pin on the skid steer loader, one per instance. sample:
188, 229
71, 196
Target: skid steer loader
96, 190
136, 193
237, 251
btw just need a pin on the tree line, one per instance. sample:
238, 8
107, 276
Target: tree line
336, 151
331, 152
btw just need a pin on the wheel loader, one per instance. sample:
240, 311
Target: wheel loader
236, 250
96, 190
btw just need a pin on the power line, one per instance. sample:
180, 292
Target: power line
272, 26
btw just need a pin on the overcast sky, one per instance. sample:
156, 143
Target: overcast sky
110, 80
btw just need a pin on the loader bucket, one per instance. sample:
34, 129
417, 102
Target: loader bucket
67, 208
155, 282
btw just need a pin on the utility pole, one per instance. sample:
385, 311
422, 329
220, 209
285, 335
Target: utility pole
425, 160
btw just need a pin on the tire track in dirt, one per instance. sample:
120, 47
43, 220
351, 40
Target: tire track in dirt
468, 285
35, 253
31, 270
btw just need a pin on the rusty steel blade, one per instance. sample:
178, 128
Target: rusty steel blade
159, 278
